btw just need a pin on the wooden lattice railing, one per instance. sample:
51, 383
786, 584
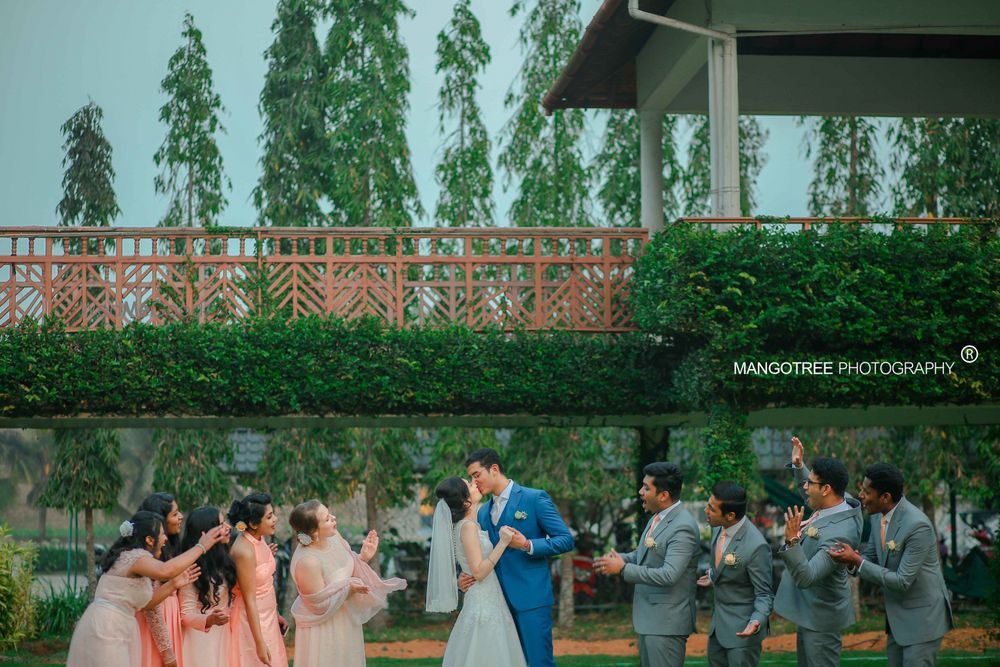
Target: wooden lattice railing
509, 277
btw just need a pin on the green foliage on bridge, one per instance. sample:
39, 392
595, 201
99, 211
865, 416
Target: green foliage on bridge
849, 294
312, 366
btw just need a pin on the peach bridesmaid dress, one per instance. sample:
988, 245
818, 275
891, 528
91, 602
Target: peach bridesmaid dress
205, 646
107, 633
267, 608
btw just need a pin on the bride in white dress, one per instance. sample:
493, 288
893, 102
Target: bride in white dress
484, 633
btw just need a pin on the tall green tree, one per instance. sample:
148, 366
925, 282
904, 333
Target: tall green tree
298, 465
464, 174
697, 181
85, 477
88, 182
292, 104
616, 166
947, 166
370, 177
192, 175
192, 465
543, 154
846, 168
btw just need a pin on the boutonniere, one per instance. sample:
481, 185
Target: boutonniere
891, 545
812, 531
650, 543
730, 559
520, 515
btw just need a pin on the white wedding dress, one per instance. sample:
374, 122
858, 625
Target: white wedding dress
484, 634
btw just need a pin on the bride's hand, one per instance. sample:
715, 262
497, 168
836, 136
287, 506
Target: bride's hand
506, 535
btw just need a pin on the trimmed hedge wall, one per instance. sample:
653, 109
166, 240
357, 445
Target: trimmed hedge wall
313, 366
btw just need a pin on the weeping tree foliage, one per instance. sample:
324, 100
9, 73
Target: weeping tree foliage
544, 154
464, 173
192, 465
88, 182
616, 167
697, 180
946, 166
192, 176
85, 477
294, 157
846, 169
369, 177
298, 465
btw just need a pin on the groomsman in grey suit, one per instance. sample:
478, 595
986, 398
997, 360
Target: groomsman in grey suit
814, 592
663, 569
901, 557
741, 575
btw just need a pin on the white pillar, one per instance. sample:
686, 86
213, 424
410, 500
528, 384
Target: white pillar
723, 124
651, 169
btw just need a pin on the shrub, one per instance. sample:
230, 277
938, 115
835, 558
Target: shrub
17, 617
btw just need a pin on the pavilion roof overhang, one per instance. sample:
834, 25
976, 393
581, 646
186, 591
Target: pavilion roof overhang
602, 73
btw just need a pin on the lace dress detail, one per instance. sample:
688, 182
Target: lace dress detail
107, 633
484, 634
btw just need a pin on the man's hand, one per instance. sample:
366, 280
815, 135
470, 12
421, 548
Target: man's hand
797, 452
793, 522
369, 546
751, 629
845, 555
465, 582
519, 541
704, 580
610, 564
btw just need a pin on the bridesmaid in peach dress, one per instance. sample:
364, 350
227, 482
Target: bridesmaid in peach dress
205, 602
338, 590
107, 634
160, 628
258, 628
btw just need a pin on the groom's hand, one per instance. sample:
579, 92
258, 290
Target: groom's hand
519, 541
465, 582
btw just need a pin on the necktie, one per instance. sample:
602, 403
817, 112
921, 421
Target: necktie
885, 522
497, 509
652, 525
720, 547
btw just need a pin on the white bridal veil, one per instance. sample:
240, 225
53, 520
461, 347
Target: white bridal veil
442, 587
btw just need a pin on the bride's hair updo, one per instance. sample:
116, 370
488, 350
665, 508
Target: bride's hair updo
456, 494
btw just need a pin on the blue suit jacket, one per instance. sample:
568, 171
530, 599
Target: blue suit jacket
525, 579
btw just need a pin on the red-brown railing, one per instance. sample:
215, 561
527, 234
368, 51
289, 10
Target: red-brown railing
509, 277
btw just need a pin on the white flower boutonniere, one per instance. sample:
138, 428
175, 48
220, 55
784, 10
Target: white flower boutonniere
650, 543
730, 559
891, 545
520, 515
812, 531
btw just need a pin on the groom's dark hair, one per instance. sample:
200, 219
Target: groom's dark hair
485, 457
666, 477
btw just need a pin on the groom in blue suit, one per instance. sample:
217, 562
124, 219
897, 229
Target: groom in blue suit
523, 570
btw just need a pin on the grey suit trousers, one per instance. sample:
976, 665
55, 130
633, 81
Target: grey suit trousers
915, 655
662, 650
720, 656
817, 649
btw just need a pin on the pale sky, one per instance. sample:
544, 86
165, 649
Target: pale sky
55, 55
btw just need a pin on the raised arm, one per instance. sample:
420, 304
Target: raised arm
481, 567
162, 571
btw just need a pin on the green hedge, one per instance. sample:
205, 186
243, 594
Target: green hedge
314, 366
847, 294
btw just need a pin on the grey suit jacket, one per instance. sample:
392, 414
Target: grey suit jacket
664, 576
814, 592
908, 570
742, 587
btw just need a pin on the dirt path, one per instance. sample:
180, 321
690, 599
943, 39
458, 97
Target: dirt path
965, 639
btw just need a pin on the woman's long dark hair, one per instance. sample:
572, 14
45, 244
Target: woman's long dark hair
250, 510
162, 503
217, 567
455, 493
144, 524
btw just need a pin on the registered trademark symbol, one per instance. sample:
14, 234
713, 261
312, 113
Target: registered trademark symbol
969, 354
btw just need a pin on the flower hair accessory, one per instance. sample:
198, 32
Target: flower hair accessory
126, 529
240, 526
304, 539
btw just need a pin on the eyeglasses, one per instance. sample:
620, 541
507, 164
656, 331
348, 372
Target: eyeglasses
809, 481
